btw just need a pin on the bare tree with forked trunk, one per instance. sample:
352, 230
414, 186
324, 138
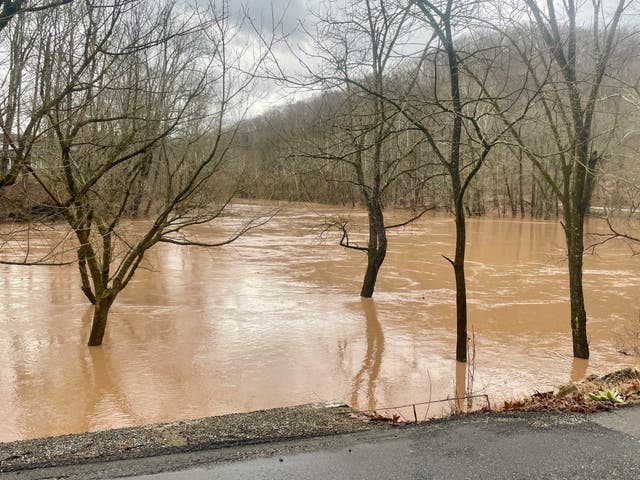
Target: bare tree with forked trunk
357, 46
140, 101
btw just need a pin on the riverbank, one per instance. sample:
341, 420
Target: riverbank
263, 426
590, 395
568, 404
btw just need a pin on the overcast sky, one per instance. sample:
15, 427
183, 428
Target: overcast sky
287, 15
290, 13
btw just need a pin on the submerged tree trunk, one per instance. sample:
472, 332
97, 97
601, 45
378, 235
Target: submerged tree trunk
520, 185
99, 321
461, 282
574, 228
376, 250
581, 89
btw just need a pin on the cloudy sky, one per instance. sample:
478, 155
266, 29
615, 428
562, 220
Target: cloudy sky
274, 18
288, 15
291, 11
279, 17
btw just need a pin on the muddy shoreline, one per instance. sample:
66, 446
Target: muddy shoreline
264, 426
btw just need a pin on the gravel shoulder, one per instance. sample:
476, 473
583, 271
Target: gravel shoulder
265, 426
507, 445
297, 430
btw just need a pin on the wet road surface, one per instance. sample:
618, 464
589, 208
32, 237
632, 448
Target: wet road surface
518, 446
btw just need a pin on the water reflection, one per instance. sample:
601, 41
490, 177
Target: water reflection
579, 368
370, 369
105, 396
461, 385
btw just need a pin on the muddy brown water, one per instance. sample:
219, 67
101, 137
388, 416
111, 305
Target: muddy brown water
275, 319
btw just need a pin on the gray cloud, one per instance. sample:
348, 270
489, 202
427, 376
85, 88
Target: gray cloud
281, 15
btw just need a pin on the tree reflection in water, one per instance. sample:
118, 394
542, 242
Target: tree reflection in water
579, 368
373, 357
461, 385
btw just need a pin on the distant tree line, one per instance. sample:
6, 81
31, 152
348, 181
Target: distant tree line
508, 186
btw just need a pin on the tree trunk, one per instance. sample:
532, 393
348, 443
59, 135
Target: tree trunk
520, 185
376, 250
99, 322
461, 288
533, 195
510, 197
575, 249
141, 181
574, 209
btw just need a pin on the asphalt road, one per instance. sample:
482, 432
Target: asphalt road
535, 446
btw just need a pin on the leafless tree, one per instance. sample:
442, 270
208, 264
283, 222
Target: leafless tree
446, 92
571, 86
137, 94
10, 8
355, 52
457, 83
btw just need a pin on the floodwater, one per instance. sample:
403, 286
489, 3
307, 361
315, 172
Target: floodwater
275, 319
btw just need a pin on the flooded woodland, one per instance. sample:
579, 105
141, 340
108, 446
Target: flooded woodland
184, 170
275, 319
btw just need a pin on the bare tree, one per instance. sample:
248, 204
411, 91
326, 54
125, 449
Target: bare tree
445, 92
11, 8
133, 88
570, 85
456, 82
357, 49
21, 40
